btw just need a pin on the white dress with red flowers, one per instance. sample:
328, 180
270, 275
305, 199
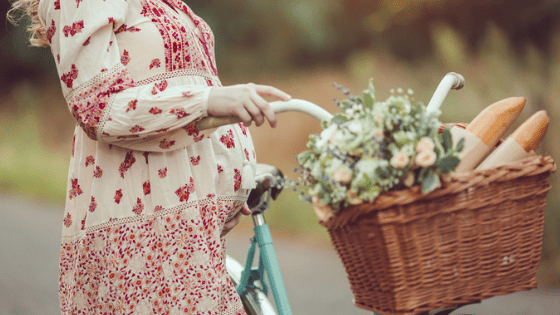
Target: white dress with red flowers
148, 193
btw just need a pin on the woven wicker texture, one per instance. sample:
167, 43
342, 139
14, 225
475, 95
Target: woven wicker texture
477, 236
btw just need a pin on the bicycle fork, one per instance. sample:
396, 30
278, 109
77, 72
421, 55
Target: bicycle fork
267, 264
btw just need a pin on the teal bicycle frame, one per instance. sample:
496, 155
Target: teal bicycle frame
267, 265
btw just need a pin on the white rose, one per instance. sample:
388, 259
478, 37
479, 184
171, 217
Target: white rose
399, 160
315, 199
354, 126
425, 144
426, 158
342, 175
333, 138
326, 135
354, 199
409, 180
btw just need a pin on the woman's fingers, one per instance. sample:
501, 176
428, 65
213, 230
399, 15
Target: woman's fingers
229, 225
254, 111
245, 209
267, 90
245, 116
265, 109
246, 102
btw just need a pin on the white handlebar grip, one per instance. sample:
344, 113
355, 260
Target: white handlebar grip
278, 107
451, 80
297, 105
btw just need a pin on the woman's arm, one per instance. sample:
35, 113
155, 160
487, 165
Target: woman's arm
98, 87
106, 102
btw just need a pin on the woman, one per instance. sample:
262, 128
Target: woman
149, 196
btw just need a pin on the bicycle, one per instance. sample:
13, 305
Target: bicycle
250, 281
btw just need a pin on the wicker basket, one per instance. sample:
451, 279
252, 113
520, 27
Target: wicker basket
477, 236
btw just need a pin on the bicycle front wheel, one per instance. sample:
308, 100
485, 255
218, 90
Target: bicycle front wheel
254, 300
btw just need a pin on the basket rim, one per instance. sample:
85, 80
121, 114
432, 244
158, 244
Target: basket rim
451, 184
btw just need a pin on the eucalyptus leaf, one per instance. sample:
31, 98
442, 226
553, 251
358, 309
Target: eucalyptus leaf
461, 144
371, 88
339, 118
447, 139
422, 174
381, 172
447, 164
438, 148
346, 104
371, 193
430, 183
361, 182
368, 99
304, 157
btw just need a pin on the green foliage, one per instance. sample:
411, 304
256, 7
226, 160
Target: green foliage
430, 182
447, 164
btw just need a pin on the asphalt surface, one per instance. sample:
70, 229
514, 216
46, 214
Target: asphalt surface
314, 277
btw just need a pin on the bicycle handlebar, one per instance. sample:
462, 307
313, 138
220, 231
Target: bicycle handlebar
278, 107
451, 80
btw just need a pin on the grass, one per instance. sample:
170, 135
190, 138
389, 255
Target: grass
27, 166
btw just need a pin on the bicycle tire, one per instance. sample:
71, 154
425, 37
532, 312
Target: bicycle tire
254, 301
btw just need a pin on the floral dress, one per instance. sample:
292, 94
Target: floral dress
148, 193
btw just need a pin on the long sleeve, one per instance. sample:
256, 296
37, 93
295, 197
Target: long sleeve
101, 94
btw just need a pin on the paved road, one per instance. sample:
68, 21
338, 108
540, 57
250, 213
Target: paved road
30, 235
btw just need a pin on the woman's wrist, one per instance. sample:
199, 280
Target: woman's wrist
205, 99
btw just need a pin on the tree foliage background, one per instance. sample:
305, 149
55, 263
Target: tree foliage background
502, 47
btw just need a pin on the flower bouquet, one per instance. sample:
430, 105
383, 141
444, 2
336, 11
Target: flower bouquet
373, 146
412, 234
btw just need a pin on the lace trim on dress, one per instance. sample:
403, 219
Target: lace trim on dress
147, 217
95, 81
180, 73
90, 102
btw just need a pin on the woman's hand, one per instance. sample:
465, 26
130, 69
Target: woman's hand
235, 220
246, 102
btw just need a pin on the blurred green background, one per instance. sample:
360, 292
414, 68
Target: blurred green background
502, 48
